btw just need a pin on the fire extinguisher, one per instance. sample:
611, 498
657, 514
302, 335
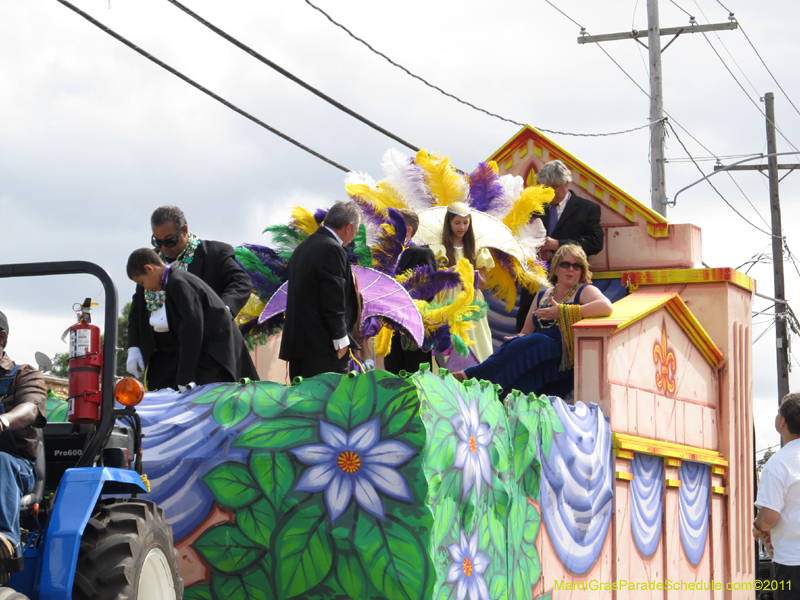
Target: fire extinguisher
85, 362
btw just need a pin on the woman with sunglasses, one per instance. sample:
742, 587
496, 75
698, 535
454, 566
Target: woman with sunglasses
540, 358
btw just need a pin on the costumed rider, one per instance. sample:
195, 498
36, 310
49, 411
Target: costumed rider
23, 395
152, 349
568, 219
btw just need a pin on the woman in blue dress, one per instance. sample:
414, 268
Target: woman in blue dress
539, 359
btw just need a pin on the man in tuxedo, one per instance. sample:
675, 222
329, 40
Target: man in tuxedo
149, 341
321, 301
210, 348
568, 219
410, 358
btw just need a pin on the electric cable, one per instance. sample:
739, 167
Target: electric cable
196, 85
453, 96
290, 76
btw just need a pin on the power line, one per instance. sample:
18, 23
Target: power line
196, 85
712, 185
453, 96
683, 9
289, 75
765, 65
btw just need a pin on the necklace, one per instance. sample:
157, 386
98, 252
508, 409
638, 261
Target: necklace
550, 301
458, 247
155, 300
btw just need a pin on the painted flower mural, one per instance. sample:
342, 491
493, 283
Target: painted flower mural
355, 464
471, 452
468, 568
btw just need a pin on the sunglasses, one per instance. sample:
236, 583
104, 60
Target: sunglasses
570, 265
169, 242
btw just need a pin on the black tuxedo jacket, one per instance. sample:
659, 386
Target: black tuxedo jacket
578, 224
214, 263
415, 256
203, 328
321, 301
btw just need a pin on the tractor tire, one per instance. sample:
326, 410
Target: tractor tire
9, 594
126, 553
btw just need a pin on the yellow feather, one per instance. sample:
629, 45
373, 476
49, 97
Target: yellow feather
493, 165
383, 341
303, 220
502, 285
377, 198
391, 197
532, 200
534, 278
446, 185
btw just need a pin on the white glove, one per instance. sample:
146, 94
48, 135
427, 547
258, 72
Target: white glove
135, 364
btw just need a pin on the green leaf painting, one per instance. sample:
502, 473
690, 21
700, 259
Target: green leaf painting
374, 487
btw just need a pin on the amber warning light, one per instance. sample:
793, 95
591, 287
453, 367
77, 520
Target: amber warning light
129, 391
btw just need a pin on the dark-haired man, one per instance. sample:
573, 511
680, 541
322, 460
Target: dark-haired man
778, 500
209, 346
404, 354
22, 408
150, 344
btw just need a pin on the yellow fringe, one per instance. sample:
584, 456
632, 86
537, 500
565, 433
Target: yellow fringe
303, 220
379, 199
568, 315
251, 310
446, 185
502, 285
532, 200
383, 341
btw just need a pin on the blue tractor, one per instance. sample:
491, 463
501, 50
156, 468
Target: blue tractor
85, 532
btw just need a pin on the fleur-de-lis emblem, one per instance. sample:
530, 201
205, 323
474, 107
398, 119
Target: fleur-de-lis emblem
666, 364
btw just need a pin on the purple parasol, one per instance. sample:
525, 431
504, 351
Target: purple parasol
383, 297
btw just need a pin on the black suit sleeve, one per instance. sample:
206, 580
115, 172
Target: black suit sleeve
591, 238
332, 271
134, 340
236, 282
189, 331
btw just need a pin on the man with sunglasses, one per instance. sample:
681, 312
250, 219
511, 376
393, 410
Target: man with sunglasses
151, 347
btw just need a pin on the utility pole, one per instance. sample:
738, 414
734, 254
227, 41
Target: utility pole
658, 192
781, 308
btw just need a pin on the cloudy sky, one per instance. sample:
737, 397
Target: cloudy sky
93, 136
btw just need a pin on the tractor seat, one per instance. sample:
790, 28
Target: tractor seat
35, 497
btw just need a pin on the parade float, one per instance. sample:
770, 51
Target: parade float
417, 486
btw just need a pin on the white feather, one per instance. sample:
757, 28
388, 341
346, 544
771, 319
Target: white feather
407, 178
354, 177
512, 188
532, 236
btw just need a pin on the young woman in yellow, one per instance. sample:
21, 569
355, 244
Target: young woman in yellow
458, 241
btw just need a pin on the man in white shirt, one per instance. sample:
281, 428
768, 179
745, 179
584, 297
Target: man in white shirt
778, 500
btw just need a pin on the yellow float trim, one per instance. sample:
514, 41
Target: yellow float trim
623, 441
624, 475
623, 454
717, 470
717, 489
674, 483
673, 462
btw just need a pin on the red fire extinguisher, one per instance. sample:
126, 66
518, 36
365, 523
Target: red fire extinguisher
85, 362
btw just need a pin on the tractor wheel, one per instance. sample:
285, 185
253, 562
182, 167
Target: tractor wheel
126, 553
9, 594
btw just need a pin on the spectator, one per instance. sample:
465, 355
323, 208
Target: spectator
150, 345
778, 501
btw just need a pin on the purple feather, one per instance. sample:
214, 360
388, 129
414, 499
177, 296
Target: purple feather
373, 215
270, 259
424, 282
439, 340
484, 188
320, 214
388, 247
